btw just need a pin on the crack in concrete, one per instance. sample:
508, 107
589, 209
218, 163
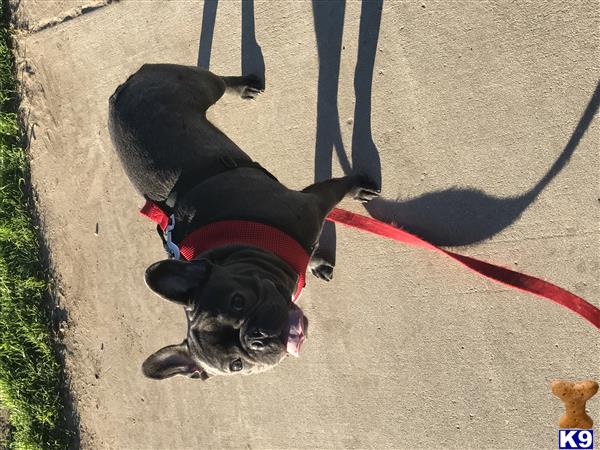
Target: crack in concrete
69, 15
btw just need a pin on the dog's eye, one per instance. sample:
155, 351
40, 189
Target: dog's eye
236, 365
237, 302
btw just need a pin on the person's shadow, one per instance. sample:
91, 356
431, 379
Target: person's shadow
329, 26
252, 58
451, 217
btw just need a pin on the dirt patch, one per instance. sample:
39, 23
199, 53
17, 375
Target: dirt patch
4, 428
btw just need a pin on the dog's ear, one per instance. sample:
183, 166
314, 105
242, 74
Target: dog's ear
170, 361
176, 280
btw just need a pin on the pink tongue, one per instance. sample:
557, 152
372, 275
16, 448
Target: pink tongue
295, 332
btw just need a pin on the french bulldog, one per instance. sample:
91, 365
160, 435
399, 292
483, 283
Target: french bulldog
238, 298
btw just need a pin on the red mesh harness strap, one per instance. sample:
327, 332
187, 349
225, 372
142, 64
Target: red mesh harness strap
228, 232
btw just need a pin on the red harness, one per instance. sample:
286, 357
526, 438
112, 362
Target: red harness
275, 241
227, 232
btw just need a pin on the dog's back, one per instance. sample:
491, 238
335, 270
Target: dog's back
158, 125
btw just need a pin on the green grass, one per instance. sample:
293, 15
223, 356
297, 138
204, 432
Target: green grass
30, 375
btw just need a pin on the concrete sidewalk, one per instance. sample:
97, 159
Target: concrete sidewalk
472, 104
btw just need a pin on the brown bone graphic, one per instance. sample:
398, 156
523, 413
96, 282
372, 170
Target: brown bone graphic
574, 395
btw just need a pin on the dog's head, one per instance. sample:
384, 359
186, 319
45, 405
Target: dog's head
239, 321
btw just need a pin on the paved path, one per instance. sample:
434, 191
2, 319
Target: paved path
472, 104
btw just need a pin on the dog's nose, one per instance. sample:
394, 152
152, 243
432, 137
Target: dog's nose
256, 337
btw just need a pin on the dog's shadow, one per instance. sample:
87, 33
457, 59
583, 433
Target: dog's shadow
459, 216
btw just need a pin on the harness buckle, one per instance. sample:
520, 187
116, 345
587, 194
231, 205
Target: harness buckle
170, 247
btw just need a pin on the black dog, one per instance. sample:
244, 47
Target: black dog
246, 269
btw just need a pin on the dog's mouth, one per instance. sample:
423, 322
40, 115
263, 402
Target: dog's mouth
294, 331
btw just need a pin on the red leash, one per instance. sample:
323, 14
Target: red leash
495, 273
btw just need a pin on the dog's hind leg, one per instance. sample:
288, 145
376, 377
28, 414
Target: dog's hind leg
248, 87
200, 85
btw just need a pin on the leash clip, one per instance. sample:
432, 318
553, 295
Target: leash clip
170, 247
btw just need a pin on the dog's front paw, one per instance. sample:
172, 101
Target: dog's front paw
321, 269
252, 87
365, 189
324, 272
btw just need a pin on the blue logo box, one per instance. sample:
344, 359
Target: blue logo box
575, 439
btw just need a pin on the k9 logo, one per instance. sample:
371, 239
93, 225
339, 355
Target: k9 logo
568, 439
